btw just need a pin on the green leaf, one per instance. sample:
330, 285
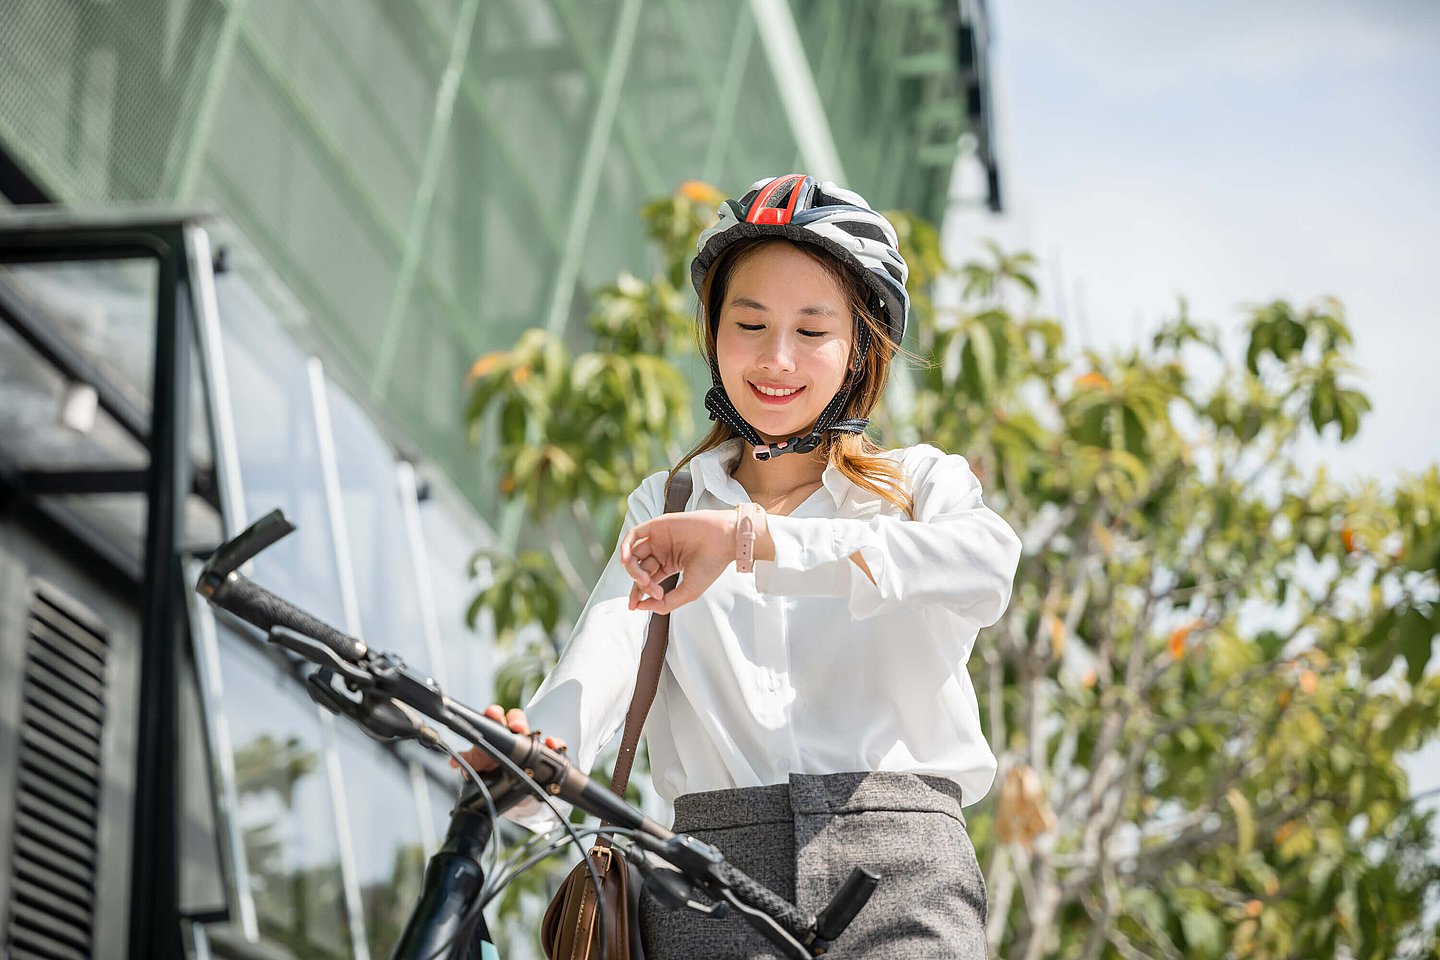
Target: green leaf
1415, 634
1261, 337
1204, 933
1349, 418
1244, 820
1322, 406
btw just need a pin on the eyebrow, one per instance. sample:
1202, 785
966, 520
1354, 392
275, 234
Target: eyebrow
817, 310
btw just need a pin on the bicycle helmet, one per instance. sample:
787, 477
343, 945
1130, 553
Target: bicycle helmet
838, 221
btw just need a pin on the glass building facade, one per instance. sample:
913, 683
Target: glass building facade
401, 188
430, 179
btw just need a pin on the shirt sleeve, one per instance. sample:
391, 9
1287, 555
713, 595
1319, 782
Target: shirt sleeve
583, 700
957, 552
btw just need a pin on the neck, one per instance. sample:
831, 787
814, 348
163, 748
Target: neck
781, 475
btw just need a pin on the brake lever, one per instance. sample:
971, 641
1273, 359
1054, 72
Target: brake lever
381, 717
665, 883
357, 677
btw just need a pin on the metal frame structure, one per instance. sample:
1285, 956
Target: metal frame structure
188, 339
169, 479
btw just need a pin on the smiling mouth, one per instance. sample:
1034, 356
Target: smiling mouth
763, 397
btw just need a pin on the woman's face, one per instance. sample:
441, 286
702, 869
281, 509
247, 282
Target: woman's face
783, 341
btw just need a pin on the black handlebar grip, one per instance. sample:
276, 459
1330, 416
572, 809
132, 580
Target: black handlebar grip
847, 901
757, 895
253, 603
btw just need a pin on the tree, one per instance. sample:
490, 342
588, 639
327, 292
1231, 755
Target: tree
1215, 657
577, 434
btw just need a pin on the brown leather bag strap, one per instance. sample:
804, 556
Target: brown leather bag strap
652, 658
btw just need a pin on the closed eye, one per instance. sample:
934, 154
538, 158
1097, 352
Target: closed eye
812, 334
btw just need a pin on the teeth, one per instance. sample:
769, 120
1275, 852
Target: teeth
772, 392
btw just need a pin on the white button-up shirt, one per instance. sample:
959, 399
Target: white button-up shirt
804, 666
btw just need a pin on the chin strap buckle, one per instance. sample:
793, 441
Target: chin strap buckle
794, 445
807, 443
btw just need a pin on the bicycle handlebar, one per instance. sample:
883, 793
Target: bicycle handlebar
254, 604
394, 702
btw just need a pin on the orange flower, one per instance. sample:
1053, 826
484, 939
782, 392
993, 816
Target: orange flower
698, 191
1178, 638
521, 374
1347, 539
1309, 682
1088, 678
486, 364
1253, 908
1092, 379
507, 484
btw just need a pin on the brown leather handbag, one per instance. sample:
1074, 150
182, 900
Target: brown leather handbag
570, 929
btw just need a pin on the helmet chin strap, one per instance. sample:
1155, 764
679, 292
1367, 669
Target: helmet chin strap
717, 401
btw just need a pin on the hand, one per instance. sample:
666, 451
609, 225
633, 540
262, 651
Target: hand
514, 718
699, 545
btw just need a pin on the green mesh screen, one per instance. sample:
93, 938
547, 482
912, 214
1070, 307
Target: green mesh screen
314, 127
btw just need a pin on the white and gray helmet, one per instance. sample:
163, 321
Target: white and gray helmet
838, 220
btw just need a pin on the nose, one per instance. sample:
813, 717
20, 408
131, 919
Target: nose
776, 351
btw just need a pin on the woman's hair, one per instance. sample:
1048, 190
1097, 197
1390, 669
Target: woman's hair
853, 454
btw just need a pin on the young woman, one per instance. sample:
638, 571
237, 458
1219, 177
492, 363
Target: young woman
815, 713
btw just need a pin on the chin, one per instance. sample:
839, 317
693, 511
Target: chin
774, 432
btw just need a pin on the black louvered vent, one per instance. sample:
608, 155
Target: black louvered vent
51, 913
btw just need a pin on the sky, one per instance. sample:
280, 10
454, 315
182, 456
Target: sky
1234, 153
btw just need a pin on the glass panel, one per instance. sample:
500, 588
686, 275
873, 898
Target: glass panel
106, 311
278, 449
47, 426
106, 308
388, 844
375, 526
285, 814
452, 535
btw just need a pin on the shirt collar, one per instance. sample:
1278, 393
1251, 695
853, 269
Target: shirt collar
713, 469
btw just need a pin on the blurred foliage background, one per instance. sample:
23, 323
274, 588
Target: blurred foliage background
1216, 656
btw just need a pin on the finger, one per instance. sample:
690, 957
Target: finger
515, 720
628, 542
642, 566
668, 602
637, 572
495, 712
476, 758
555, 743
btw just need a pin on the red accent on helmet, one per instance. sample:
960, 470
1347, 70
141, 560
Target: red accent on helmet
769, 215
762, 212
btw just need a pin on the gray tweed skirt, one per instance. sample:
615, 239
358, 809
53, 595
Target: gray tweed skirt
802, 838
